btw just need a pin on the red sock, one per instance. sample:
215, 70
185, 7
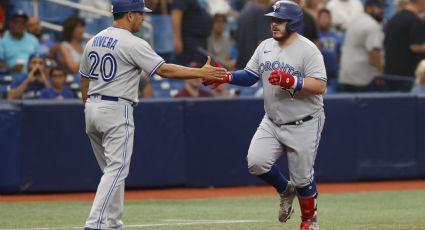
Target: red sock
308, 206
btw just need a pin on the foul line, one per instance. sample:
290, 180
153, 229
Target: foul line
171, 222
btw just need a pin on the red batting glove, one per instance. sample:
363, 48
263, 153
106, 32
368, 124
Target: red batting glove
217, 83
282, 79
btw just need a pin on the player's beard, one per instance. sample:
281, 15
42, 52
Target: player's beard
282, 37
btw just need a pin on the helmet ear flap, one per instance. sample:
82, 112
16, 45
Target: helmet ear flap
290, 27
294, 26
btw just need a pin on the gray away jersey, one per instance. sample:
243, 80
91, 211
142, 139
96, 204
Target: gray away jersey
114, 59
301, 58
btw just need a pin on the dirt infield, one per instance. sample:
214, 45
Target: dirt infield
199, 193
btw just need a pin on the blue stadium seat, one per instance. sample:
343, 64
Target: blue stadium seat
48, 11
97, 24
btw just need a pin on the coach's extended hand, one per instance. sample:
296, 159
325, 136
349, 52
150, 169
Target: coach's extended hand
211, 72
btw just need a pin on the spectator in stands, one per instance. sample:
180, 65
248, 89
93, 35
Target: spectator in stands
419, 86
58, 89
330, 44
361, 58
252, 28
221, 91
71, 48
1, 30
2, 18
17, 45
191, 26
343, 12
49, 63
34, 28
163, 31
404, 44
310, 26
401, 4
313, 7
219, 42
28, 86
192, 88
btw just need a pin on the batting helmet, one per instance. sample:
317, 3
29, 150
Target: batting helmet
122, 6
290, 11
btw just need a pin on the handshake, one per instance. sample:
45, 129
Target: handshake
277, 77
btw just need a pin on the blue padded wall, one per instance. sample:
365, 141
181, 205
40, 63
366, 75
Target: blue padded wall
337, 155
386, 131
10, 146
158, 158
420, 137
204, 142
56, 154
217, 137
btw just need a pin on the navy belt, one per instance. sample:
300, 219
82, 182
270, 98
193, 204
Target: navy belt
299, 122
110, 98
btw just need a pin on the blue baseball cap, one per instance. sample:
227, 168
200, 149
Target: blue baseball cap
18, 13
122, 6
36, 55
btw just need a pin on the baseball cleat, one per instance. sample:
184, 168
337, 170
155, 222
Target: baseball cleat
286, 198
309, 224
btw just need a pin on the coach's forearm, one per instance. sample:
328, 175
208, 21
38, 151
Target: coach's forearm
84, 88
178, 72
313, 86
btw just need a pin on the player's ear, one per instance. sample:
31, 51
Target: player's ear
129, 16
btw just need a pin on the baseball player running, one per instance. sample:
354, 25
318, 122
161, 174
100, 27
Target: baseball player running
110, 71
294, 79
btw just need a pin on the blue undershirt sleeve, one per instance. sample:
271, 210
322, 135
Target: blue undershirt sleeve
243, 78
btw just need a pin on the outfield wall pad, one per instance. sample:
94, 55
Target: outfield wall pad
203, 142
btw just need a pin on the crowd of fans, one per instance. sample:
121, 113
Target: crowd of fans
364, 47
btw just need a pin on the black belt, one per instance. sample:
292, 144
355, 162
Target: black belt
299, 122
110, 98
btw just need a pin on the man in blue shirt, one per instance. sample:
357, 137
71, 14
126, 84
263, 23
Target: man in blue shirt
57, 90
17, 45
330, 44
28, 86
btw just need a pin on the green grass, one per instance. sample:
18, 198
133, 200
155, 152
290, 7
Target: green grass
404, 210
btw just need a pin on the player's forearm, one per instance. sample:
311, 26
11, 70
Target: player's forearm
84, 88
313, 86
243, 78
178, 72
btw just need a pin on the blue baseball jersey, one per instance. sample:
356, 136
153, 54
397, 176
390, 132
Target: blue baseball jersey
50, 93
330, 46
33, 90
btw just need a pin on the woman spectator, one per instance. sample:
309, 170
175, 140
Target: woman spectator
71, 48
